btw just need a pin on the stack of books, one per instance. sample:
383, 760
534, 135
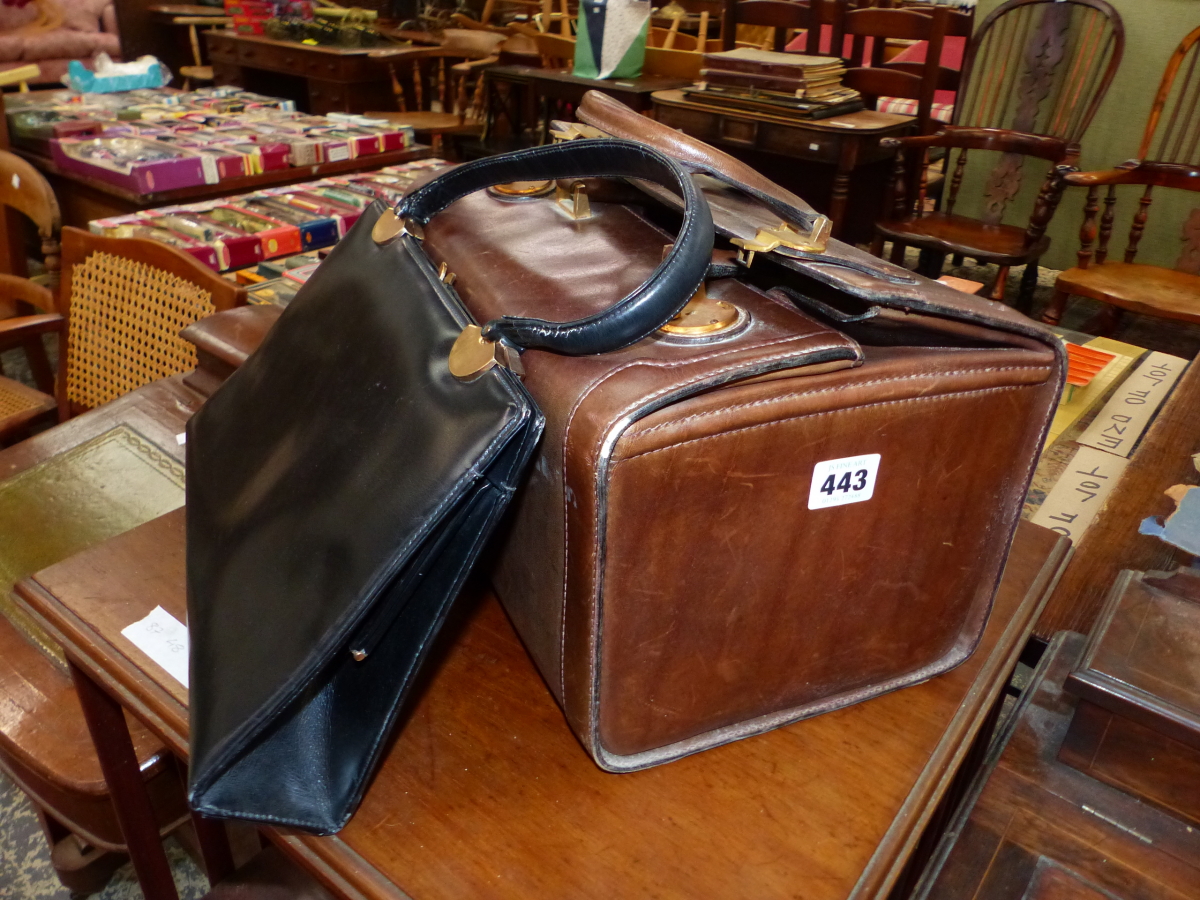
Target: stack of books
788, 84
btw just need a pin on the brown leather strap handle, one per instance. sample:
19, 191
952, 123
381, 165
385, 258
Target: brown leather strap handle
617, 119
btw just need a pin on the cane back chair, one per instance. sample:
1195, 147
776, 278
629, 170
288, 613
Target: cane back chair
1169, 156
1033, 77
126, 300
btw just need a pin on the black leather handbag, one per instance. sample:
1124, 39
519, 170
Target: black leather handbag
342, 482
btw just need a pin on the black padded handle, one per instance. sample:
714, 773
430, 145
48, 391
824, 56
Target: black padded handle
665, 293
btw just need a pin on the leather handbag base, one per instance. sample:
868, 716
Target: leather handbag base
680, 564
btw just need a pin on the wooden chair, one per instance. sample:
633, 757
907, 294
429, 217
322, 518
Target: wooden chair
784, 16
27, 310
126, 300
881, 79
439, 90
1033, 77
198, 71
1169, 156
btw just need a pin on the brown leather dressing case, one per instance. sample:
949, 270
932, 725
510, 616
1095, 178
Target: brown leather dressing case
800, 506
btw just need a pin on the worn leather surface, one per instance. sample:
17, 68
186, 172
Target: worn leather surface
662, 566
647, 305
339, 486
742, 201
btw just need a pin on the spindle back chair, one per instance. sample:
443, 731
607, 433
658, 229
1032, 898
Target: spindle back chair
880, 79
1168, 156
782, 15
1033, 77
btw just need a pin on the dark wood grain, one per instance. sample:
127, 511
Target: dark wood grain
1036, 828
1112, 543
486, 793
119, 762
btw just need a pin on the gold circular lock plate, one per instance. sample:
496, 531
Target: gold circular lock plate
472, 353
521, 190
702, 318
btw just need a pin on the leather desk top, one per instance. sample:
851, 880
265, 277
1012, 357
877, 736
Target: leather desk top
485, 792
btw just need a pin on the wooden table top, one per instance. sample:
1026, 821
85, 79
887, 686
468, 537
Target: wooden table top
644, 84
485, 792
374, 52
187, 9
865, 121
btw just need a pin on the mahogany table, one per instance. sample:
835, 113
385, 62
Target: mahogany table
485, 792
321, 79
1034, 828
1112, 543
513, 91
814, 158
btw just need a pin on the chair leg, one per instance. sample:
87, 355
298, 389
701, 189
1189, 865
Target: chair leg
1029, 281
997, 292
898, 253
957, 260
1105, 322
877, 246
1053, 312
931, 263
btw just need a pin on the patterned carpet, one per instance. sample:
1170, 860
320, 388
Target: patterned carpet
25, 871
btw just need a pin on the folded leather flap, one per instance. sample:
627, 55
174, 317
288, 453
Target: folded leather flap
296, 521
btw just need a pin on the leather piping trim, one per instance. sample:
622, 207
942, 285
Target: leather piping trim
657, 401
615, 762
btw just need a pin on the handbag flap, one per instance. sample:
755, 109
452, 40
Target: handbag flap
316, 471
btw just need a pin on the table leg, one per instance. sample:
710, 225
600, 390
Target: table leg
118, 761
841, 185
214, 847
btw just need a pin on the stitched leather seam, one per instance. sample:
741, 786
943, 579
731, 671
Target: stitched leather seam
781, 397
830, 412
587, 392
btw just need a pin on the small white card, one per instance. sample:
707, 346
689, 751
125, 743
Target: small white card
836, 482
1125, 416
1080, 492
164, 639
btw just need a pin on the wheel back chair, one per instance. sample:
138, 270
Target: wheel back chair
1033, 78
1169, 156
124, 302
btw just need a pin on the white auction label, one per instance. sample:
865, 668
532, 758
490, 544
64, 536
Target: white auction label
836, 482
164, 639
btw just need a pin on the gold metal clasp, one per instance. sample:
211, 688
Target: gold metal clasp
473, 354
569, 131
445, 276
785, 235
573, 202
390, 226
